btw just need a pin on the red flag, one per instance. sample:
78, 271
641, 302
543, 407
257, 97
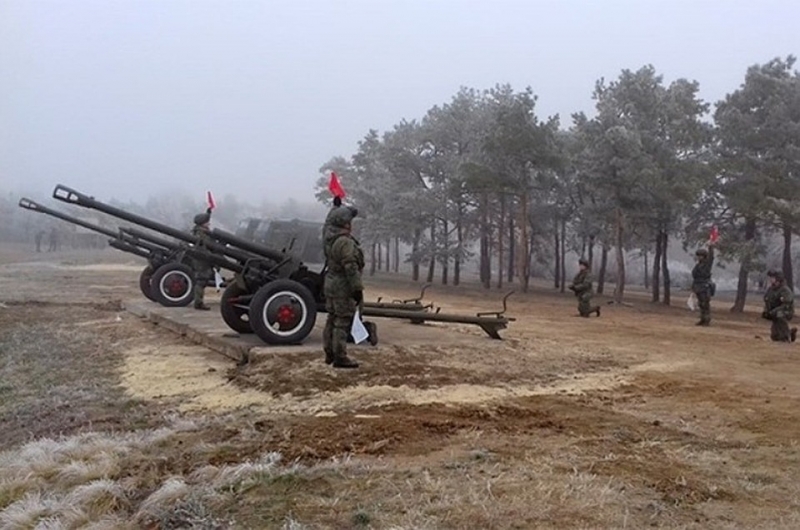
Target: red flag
334, 186
714, 235
210, 200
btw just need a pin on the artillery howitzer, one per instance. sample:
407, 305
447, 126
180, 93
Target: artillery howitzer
274, 294
157, 251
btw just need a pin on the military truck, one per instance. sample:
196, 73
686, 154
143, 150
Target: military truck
300, 239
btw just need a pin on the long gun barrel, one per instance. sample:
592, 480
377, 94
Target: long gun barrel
36, 207
129, 247
70, 196
249, 246
117, 240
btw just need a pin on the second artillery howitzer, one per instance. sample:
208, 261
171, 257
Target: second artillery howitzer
173, 290
273, 293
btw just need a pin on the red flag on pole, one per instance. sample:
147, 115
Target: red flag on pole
714, 235
335, 187
210, 200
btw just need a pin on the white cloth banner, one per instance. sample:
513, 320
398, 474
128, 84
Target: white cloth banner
357, 330
691, 302
217, 279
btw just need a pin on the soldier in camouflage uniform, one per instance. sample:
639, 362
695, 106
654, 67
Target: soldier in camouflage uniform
779, 308
203, 272
702, 286
343, 289
582, 287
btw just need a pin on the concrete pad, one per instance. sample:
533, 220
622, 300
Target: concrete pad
208, 329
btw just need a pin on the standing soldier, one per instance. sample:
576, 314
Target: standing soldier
779, 308
39, 237
53, 240
582, 287
343, 289
702, 286
203, 272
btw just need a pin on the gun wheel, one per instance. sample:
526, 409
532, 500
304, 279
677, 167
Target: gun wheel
172, 285
235, 314
283, 312
145, 283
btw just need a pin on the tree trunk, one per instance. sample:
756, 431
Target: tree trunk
511, 248
446, 252
744, 268
646, 270
500, 227
563, 255
373, 260
619, 290
665, 267
557, 255
380, 256
486, 263
415, 255
657, 270
459, 249
388, 252
601, 277
788, 272
527, 245
591, 252
396, 254
432, 262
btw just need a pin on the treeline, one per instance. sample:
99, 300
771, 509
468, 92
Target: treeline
655, 167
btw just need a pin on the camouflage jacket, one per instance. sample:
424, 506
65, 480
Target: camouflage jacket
345, 263
701, 273
779, 301
582, 283
204, 236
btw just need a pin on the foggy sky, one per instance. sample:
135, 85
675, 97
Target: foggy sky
126, 99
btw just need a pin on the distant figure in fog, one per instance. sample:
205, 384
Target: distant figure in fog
38, 238
53, 240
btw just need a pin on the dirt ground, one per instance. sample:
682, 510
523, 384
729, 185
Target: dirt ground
636, 419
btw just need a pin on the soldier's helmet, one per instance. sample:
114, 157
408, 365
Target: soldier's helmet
701, 252
584, 262
202, 218
778, 275
343, 216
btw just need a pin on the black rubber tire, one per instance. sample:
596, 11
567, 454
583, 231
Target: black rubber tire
144, 283
237, 318
162, 282
296, 299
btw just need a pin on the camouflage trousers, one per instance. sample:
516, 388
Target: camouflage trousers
780, 328
202, 275
585, 307
704, 303
337, 326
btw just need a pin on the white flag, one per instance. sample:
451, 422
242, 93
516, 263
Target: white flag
217, 279
691, 302
357, 330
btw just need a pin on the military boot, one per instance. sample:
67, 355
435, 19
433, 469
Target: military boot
597, 310
202, 307
793, 334
372, 329
328, 357
343, 361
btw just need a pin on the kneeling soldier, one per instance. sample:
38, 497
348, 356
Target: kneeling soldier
779, 308
582, 287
